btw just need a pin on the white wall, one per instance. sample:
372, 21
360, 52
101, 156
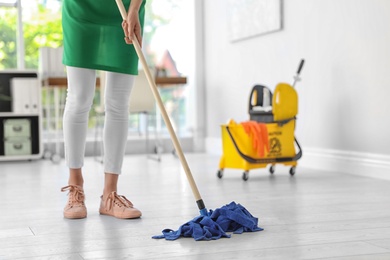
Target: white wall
344, 96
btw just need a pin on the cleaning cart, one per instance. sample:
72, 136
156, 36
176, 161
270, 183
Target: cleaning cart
276, 114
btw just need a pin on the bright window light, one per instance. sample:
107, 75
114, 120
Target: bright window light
7, 2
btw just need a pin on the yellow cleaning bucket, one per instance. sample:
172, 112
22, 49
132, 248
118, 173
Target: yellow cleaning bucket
238, 146
239, 153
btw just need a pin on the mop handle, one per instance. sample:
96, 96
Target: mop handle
300, 66
164, 114
296, 77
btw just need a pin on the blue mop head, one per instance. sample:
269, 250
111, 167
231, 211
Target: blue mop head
229, 218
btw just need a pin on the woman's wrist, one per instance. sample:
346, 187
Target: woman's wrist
134, 6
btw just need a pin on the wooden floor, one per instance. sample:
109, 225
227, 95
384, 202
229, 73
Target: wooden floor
314, 215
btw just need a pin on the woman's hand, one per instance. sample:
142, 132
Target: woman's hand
131, 26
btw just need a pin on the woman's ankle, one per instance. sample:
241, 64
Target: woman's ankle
110, 184
76, 177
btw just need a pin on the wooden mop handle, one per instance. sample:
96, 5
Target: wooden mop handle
122, 9
164, 114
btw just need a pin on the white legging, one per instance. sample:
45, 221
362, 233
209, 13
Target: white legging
81, 90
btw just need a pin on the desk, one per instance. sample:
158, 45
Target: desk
161, 82
56, 83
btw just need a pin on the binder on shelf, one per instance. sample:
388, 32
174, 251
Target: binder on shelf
50, 62
25, 96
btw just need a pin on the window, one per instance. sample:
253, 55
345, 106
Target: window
171, 48
8, 25
23, 30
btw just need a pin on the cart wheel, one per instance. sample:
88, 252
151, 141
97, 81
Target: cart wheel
55, 158
158, 149
272, 169
292, 171
245, 175
46, 154
220, 174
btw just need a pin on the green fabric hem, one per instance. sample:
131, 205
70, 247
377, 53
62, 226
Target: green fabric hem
100, 67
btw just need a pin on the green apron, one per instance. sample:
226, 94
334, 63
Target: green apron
94, 38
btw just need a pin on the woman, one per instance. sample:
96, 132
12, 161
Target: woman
93, 40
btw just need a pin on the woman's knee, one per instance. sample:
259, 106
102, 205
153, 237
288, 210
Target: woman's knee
117, 110
80, 103
81, 89
117, 94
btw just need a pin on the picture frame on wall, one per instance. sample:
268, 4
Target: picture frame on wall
251, 18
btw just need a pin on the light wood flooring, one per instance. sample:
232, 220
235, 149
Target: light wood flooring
314, 215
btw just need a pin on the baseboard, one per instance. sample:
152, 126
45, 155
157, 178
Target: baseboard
358, 163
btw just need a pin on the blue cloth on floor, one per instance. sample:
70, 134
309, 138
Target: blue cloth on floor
229, 218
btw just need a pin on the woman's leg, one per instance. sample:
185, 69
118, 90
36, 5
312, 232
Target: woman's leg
117, 95
116, 124
81, 90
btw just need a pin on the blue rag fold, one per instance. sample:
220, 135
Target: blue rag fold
229, 218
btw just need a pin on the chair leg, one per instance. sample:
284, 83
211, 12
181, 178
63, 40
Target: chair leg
95, 144
146, 132
139, 125
158, 158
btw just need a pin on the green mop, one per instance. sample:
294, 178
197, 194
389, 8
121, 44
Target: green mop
210, 224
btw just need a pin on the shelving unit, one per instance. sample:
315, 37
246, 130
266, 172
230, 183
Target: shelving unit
21, 116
